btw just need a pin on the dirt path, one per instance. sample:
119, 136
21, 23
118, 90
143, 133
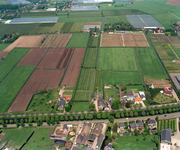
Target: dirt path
175, 15
61, 91
175, 96
173, 51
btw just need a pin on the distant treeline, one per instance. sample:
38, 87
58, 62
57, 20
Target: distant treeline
9, 6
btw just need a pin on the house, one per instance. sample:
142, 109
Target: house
65, 128
150, 86
168, 93
151, 123
137, 100
106, 106
91, 137
122, 126
138, 125
68, 144
62, 104
86, 129
60, 142
166, 136
67, 98
84, 140
98, 128
79, 139
99, 140
111, 100
100, 103
108, 147
142, 95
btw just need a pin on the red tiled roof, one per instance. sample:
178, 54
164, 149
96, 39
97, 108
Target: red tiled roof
137, 99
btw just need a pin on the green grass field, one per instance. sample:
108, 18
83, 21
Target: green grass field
3, 46
80, 19
80, 106
150, 64
78, 40
136, 88
117, 59
40, 140
11, 60
90, 58
112, 78
130, 142
163, 99
16, 137
67, 27
77, 27
11, 85
93, 42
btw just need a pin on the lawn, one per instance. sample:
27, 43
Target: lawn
112, 78
112, 93
78, 40
163, 99
83, 95
77, 27
67, 27
117, 59
80, 106
131, 142
3, 46
150, 64
16, 137
11, 85
40, 140
135, 88
11, 60
90, 58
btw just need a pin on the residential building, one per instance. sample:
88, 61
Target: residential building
142, 95
91, 137
168, 93
86, 129
138, 125
108, 147
99, 140
79, 139
98, 128
137, 100
62, 104
151, 123
130, 93
67, 98
122, 126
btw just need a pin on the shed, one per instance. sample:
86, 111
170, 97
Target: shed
99, 141
61, 142
166, 136
91, 137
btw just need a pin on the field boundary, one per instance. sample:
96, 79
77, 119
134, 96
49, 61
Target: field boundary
173, 51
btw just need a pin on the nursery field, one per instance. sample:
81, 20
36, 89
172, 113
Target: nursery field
16, 137
11, 60
117, 59
98, 80
78, 40
90, 58
147, 57
12, 84
77, 27
112, 78
168, 124
56, 27
163, 99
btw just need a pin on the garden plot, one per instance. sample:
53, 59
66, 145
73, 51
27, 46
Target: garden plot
26, 41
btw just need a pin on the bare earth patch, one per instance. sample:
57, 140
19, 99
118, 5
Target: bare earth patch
173, 2
3, 55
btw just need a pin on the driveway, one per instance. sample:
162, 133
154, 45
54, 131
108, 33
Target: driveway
175, 139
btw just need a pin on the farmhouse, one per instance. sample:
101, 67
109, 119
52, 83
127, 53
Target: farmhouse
137, 100
102, 104
62, 104
86, 129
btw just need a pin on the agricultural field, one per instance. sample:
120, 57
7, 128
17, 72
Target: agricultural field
37, 14
98, 80
56, 58
113, 78
74, 68
80, 106
3, 46
3, 55
134, 144
168, 124
77, 27
135, 88
60, 40
80, 19
26, 41
40, 139
117, 59
12, 84
90, 58
67, 27
123, 40
163, 99
93, 42
39, 79
11, 60
16, 137
56, 27
42, 28
147, 57
2, 2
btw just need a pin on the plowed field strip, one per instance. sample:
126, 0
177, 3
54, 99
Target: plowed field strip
67, 58
57, 41
65, 40
47, 41
62, 58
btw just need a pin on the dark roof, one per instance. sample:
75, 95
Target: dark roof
84, 140
65, 126
91, 137
79, 138
130, 93
149, 122
86, 128
122, 125
101, 102
59, 142
62, 103
100, 138
134, 125
98, 127
165, 136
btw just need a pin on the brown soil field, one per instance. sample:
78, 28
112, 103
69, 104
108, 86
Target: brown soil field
56, 58
161, 85
60, 40
173, 2
155, 40
152, 81
39, 79
93, 23
74, 68
26, 41
119, 40
33, 57
3, 55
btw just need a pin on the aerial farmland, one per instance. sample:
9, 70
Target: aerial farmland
83, 60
